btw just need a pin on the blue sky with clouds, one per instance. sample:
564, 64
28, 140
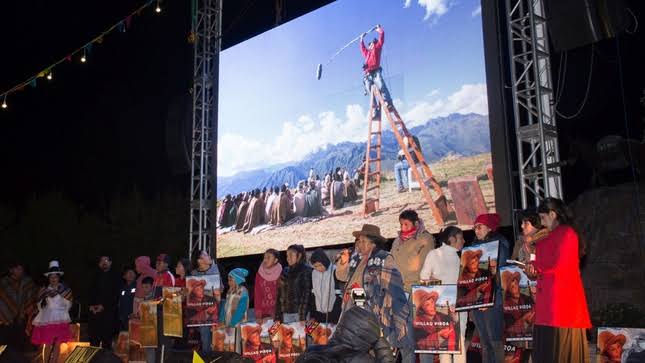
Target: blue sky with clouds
272, 109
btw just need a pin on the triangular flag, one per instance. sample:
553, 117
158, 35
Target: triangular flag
121, 26
99, 39
128, 20
88, 48
197, 358
41, 74
33, 82
68, 58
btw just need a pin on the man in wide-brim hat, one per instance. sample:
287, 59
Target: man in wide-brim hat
253, 346
611, 346
470, 272
429, 329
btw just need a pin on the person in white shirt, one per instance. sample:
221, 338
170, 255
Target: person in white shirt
443, 264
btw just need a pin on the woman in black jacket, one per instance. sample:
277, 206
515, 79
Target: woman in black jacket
294, 288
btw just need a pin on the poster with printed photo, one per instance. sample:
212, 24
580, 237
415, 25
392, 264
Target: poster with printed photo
320, 333
224, 339
518, 297
122, 346
292, 341
257, 343
624, 345
435, 321
172, 312
476, 282
148, 324
202, 300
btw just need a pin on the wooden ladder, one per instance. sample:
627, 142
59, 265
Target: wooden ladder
372, 193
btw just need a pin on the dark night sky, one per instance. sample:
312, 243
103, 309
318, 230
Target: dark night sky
95, 159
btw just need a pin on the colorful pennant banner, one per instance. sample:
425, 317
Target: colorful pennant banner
84, 51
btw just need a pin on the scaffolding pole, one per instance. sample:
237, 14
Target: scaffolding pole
207, 17
533, 102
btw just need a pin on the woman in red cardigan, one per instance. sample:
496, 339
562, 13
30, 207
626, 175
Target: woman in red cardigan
561, 314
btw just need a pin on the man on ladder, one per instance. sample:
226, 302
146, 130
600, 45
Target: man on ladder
372, 67
410, 147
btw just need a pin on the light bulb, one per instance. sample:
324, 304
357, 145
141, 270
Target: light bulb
158, 9
83, 59
4, 104
49, 76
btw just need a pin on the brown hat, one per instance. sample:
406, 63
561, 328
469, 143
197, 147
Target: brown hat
607, 339
508, 276
193, 283
321, 331
369, 230
421, 296
286, 330
470, 254
250, 329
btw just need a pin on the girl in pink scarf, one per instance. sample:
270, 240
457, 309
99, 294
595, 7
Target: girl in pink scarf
266, 285
143, 268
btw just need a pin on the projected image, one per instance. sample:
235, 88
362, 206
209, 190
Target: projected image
295, 110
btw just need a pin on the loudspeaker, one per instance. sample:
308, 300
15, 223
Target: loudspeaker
574, 23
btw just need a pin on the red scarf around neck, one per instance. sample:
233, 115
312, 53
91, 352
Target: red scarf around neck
409, 234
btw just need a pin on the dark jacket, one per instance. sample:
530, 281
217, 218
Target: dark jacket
126, 300
294, 291
105, 290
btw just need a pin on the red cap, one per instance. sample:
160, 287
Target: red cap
490, 220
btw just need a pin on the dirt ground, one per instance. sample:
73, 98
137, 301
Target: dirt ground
337, 228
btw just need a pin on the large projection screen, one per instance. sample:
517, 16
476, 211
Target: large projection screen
278, 124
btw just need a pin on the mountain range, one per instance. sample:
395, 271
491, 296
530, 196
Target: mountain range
456, 134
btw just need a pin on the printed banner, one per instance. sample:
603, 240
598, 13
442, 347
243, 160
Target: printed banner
292, 341
146, 331
514, 354
136, 353
624, 345
224, 339
519, 304
319, 332
476, 283
202, 302
257, 343
172, 320
435, 321
122, 346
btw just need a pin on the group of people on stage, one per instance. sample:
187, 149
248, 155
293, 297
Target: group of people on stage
322, 287
277, 205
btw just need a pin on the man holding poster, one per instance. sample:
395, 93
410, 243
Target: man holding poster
436, 325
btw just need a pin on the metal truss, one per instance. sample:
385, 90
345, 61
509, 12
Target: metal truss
207, 19
534, 111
